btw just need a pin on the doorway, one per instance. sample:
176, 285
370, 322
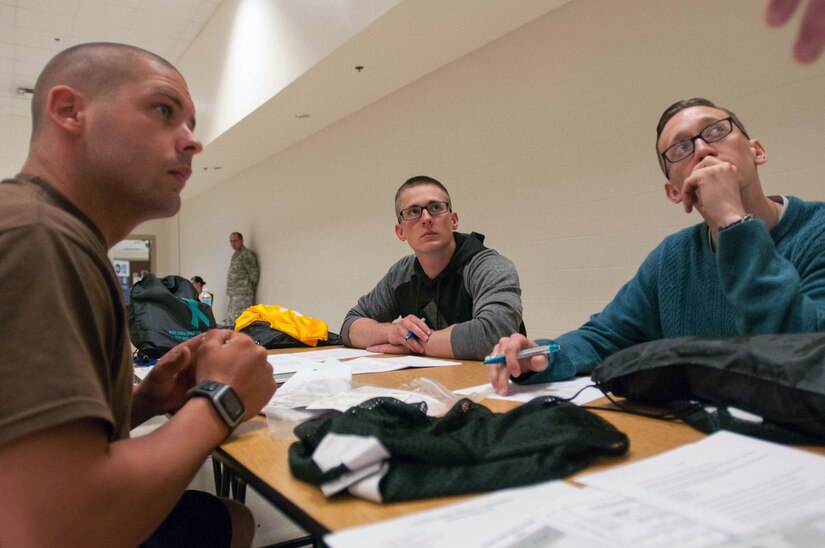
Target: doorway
133, 258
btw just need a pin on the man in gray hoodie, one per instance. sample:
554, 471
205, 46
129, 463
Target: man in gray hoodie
455, 297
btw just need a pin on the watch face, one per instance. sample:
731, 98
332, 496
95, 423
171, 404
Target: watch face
232, 405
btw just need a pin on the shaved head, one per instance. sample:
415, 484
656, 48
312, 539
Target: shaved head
94, 69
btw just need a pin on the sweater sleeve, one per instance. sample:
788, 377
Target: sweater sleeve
492, 281
768, 293
630, 318
379, 304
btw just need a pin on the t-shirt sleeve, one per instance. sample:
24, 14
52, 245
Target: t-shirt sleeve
51, 334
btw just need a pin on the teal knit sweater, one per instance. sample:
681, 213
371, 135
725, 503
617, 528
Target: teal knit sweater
758, 281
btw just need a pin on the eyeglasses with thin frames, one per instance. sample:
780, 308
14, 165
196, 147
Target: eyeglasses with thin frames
685, 148
414, 212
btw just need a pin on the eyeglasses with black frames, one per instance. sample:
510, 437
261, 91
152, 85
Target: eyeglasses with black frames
414, 212
685, 148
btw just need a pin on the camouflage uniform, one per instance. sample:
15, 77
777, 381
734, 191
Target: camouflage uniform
241, 282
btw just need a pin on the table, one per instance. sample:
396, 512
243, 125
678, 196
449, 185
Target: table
261, 461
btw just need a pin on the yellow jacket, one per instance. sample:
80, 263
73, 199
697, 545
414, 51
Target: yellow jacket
307, 330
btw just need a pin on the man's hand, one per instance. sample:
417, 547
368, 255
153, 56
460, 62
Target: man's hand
234, 359
399, 336
164, 388
500, 374
389, 349
811, 38
713, 189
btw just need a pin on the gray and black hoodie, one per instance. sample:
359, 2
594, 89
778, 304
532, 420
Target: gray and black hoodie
478, 292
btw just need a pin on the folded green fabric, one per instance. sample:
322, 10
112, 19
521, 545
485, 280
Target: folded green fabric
385, 450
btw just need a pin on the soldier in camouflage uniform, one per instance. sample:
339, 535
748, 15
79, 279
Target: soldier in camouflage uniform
241, 279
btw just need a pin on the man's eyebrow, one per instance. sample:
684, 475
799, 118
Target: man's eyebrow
171, 95
684, 135
425, 205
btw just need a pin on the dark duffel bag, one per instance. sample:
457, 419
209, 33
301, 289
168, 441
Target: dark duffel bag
164, 312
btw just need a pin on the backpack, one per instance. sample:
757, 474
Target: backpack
779, 377
164, 312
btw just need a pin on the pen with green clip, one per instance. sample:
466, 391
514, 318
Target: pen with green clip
526, 353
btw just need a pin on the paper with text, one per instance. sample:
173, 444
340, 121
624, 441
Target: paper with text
553, 514
732, 482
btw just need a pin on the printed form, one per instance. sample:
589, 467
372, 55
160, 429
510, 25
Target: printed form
732, 482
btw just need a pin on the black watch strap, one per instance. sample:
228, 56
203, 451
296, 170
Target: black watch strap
226, 402
745, 219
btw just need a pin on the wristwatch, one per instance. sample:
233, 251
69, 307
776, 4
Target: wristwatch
227, 403
745, 219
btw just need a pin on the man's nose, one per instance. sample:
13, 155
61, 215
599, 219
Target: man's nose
428, 218
188, 143
702, 149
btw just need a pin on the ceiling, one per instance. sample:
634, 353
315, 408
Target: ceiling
32, 31
410, 41
391, 49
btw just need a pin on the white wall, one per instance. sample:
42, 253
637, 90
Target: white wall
545, 140
14, 143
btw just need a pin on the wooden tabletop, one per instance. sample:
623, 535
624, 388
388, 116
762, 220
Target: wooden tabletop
258, 458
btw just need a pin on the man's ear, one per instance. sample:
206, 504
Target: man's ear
759, 152
399, 231
63, 106
672, 193
454, 220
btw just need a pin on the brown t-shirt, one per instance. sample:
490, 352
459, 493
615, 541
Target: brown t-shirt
64, 351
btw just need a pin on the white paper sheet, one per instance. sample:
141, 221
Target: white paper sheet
550, 514
309, 385
141, 372
344, 400
336, 353
379, 365
283, 365
734, 483
527, 392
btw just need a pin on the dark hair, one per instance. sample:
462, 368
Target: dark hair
238, 234
679, 106
198, 280
94, 68
419, 180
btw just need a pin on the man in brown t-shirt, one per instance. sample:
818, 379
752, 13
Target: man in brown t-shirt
112, 145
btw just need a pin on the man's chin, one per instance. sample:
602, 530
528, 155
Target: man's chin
428, 246
168, 208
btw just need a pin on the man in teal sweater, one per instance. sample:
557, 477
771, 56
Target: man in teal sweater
756, 265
